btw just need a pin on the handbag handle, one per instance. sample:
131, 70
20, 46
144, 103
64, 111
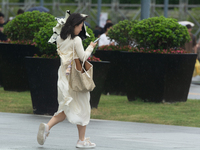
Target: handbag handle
82, 63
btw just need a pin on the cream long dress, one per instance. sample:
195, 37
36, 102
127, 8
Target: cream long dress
76, 105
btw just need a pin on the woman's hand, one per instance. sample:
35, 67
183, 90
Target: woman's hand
112, 43
93, 44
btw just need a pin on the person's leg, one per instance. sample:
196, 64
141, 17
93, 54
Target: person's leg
81, 132
56, 119
83, 142
44, 128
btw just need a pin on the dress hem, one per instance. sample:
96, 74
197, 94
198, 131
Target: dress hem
58, 112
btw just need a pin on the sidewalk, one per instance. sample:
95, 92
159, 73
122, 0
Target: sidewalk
19, 131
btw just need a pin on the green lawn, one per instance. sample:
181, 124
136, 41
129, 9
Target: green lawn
15, 102
119, 108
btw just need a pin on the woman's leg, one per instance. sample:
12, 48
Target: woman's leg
56, 119
83, 142
81, 132
43, 131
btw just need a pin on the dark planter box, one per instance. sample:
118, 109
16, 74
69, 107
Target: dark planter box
114, 81
1, 80
100, 70
158, 77
12, 66
43, 76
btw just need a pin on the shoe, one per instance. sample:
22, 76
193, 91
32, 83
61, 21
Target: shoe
43, 132
85, 144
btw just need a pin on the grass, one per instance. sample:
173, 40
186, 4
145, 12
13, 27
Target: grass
118, 108
15, 102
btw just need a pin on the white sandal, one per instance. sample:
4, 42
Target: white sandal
43, 133
85, 144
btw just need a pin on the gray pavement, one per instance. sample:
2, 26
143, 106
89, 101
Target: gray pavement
19, 131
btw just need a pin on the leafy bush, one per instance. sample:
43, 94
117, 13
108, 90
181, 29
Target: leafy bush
120, 32
23, 42
87, 41
49, 50
93, 58
142, 50
42, 37
25, 25
159, 33
116, 48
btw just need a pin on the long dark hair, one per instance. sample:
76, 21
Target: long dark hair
68, 28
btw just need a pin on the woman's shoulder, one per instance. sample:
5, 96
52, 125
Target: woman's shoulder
77, 39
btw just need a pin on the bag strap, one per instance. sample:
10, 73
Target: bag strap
82, 63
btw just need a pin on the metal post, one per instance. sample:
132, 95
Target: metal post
5, 9
42, 3
182, 9
153, 8
99, 11
166, 8
145, 9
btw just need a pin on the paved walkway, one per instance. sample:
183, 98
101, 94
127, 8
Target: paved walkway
19, 131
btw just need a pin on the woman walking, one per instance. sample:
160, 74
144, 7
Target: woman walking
74, 106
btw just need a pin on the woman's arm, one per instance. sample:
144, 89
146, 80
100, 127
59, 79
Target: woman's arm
101, 41
78, 46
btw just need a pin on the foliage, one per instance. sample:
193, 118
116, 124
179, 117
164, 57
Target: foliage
51, 56
25, 25
159, 51
143, 50
92, 38
23, 42
42, 37
120, 32
116, 48
87, 41
159, 33
49, 50
93, 58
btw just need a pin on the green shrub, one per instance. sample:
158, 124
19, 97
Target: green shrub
25, 25
159, 33
87, 41
120, 32
42, 37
